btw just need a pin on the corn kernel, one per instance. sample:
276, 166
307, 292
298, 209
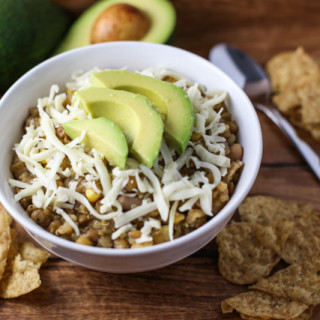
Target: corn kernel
165, 232
43, 161
64, 229
195, 136
121, 244
135, 234
142, 245
178, 217
84, 240
153, 213
158, 237
91, 195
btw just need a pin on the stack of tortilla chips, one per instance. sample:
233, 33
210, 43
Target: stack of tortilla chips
270, 230
295, 81
19, 262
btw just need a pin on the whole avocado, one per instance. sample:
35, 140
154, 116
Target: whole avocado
29, 32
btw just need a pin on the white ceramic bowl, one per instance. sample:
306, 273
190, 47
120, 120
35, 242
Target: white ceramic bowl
134, 55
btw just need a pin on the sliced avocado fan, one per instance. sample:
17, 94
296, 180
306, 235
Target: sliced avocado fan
102, 135
170, 100
133, 113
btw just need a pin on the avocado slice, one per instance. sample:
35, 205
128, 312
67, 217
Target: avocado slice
29, 31
133, 113
171, 101
103, 135
161, 14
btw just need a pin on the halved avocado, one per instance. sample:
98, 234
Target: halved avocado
171, 101
133, 113
160, 13
103, 135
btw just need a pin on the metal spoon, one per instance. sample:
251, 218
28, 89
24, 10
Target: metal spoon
254, 81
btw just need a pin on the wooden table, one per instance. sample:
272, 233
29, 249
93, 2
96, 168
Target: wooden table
192, 288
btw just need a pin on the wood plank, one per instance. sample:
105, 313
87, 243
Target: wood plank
296, 183
189, 289
262, 28
186, 290
192, 288
246, 24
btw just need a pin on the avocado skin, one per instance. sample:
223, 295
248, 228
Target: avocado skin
29, 32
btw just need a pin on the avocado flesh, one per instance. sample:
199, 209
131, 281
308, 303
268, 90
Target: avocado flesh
134, 114
171, 101
29, 31
160, 12
102, 135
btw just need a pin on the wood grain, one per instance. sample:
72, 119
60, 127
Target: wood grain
193, 288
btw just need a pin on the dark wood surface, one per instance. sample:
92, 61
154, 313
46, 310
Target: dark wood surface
192, 288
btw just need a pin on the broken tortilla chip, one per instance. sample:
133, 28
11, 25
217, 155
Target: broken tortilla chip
306, 315
279, 71
295, 82
266, 210
20, 277
243, 257
32, 253
5, 212
304, 239
5, 240
263, 305
300, 281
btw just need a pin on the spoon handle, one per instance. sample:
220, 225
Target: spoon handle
305, 150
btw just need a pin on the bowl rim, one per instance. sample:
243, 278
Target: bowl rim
226, 212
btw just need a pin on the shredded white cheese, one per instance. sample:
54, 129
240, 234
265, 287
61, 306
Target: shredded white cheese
172, 213
147, 228
162, 188
120, 231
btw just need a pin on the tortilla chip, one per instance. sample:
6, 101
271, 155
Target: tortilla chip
243, 258
286, 101
309, 96
303, 68
20, 277
275, 236
225, 307
5, 212
266, 210
295, 80
314, 130
32, 253
279, 72
304, 239
5, 240
300, 281
244, 316
21, 273
306, 315
263, 305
